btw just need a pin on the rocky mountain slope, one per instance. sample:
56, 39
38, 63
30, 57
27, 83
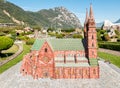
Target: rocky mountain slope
110, 25
118, 21
107, 24
15, 13
56, 17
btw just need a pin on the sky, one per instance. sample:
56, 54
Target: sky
103, 9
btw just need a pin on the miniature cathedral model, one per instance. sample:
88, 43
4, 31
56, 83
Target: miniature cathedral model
64, 58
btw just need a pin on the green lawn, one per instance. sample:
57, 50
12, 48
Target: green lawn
9, 52
112, 58
13, 49
16, 60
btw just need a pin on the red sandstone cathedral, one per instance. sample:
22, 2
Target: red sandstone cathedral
64, 58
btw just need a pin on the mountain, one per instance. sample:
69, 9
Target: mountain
108, 25
12, 13
99, 25
118, 21
56, 17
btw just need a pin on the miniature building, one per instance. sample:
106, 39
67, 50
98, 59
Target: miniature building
64, 58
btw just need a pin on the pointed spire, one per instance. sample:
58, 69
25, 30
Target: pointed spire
91, 12
86, 19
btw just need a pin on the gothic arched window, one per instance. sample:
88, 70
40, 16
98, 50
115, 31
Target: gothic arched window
92, 37
46, 50
92, 44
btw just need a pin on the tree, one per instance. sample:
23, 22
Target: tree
106, 37
36, 28
99, 36
117, 32
2, 0
5, 43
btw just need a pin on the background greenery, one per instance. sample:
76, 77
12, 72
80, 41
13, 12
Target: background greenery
16, 60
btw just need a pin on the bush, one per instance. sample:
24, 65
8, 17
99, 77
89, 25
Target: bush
110, 45
2, 34
30, 41
5, 43
99, 36
59, 36
102, 31
52, 34
77, 36
117, 32
106, 37
68, 30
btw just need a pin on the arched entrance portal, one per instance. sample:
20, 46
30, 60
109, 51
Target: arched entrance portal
46, 73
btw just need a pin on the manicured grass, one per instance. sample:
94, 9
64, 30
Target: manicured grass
112, 58
13, 49
6, 53
16, 60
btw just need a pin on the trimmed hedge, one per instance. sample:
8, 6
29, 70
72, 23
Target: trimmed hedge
77, 36
110, 45
5, 43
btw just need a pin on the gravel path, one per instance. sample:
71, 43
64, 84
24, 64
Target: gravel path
110, 51
109, 78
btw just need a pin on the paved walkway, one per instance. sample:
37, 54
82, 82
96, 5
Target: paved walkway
112, 66
117, 53
12, 78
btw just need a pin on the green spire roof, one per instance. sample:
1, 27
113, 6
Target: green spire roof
59, 44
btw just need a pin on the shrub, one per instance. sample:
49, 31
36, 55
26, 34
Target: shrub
99, 36
52, 34
102, 31
77, 36
110, 45
30, 41
106, 37
68, 30
117, 32
5, 43
2, 34
59, 36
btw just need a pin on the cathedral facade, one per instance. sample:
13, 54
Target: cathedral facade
64, 58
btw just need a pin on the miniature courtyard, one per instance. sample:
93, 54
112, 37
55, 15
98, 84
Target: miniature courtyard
12, 78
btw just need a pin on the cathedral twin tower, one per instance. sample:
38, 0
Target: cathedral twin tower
90, 36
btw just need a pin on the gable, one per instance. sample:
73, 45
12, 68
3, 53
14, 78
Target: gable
38, 44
